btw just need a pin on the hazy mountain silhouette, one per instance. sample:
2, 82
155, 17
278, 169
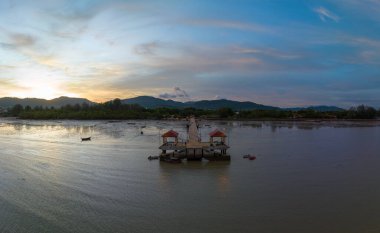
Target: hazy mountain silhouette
319, 108
153, 102
7, 102
223, 103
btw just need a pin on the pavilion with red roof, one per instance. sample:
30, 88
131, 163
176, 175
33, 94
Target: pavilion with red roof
170, 134
217, 134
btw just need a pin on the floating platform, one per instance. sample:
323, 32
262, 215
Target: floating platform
194, 148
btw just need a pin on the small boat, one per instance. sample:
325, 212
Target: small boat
172, 160
152, 157
252, 157
245, 156
86, 139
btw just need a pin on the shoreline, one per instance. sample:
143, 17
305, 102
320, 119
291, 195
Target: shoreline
316, 120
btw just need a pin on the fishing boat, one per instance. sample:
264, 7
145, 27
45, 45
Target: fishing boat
172, 160
86, 139
249, 156
153, 157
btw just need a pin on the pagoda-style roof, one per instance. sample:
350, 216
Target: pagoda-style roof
170, 134
217, 133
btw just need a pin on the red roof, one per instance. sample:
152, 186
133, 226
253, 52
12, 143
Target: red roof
170, 134
217, 133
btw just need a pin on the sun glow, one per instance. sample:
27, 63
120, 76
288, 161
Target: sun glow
41, 90
45, 92
37, 81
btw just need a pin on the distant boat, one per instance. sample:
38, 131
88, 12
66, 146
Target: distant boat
86, 139
153, 157
250, 157
172, 160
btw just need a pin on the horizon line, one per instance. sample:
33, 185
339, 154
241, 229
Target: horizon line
100, 102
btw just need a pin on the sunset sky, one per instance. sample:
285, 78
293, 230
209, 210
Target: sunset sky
282, 53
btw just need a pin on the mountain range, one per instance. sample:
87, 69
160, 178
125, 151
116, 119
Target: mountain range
8, 102
152, 102
319, 108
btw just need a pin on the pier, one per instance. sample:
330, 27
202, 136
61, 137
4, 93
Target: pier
193, 148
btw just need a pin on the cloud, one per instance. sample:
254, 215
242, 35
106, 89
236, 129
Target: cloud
167, 96
366, 8
325, 14
6, 45
365, 41
228, 24
70, 20
18, 41
6, 67
177, 93
28, 46
267, 52
199, 59
218, 97
180, 92
147, 48
9, 84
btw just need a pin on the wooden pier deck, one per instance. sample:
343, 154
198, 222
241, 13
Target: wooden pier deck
194, 148
194, 140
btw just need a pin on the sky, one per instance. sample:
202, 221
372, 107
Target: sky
283, 53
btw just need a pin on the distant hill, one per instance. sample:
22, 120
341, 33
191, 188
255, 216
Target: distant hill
223, 103
152, 102
7, 102
320, 108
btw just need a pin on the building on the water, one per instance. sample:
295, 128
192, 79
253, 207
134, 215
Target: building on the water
193, 148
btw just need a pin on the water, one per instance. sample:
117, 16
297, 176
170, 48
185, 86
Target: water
308, 177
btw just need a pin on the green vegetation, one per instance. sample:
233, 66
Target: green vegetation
362, 112
116, 110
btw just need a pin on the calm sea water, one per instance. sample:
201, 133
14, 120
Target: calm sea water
308, 177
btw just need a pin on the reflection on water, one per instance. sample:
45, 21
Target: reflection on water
308, 177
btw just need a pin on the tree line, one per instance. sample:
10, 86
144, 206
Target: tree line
116, 110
